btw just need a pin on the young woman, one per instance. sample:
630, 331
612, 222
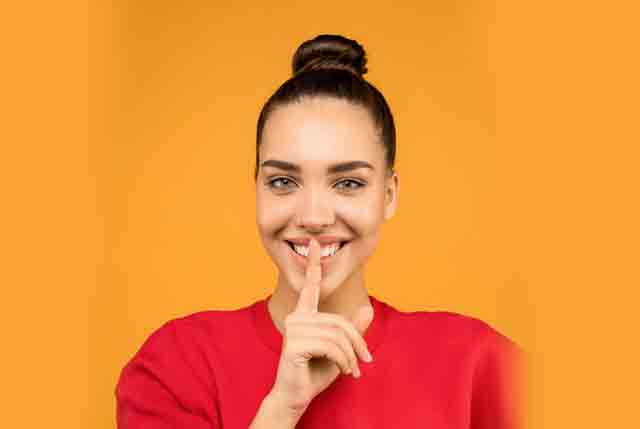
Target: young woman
320, 352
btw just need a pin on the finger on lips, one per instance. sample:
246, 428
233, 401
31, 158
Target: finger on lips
344, 347
314, 271
309, 295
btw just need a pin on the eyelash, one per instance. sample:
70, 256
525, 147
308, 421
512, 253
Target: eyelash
270, 183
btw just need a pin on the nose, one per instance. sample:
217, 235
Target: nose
314, 210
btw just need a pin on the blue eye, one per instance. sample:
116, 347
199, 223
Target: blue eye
284, 180
351, 188
284, 183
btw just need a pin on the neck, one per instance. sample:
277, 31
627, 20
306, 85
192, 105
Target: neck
345, 300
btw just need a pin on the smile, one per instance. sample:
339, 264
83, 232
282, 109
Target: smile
326, 251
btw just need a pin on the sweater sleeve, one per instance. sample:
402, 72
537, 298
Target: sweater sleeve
165, 385
497, 400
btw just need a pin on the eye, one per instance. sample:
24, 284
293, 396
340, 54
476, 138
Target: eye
280, 183
354, 184
285, 183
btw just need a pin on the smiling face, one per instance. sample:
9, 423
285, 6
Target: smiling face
322, 174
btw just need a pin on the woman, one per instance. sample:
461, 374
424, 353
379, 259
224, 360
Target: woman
325, 183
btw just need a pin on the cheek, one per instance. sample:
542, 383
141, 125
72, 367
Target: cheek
364, 219
271, 215
364, 215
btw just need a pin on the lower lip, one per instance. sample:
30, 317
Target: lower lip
324, 260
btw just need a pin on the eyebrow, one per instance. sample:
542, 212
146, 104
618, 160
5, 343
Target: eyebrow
340, 167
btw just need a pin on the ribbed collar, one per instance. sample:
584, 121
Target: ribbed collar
270, 335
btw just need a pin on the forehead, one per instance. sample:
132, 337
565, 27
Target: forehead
320, 130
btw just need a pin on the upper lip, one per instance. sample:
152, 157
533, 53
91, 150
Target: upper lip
323, 240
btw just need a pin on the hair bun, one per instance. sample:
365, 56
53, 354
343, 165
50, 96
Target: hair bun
328, 51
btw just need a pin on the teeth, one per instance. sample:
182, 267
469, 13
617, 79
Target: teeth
325, 251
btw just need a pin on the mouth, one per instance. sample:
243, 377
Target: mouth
327, 253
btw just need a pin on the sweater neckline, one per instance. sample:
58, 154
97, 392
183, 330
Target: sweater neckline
271, 336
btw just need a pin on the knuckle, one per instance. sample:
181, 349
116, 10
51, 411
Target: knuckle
346, 352
353, 360
342, 339
334, 331
345, 324
345, 344
338, 356
349, 332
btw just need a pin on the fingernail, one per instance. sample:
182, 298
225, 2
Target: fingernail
368, 357
356, 372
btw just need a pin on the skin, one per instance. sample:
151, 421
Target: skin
313, 134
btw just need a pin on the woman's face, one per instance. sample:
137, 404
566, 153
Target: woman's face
322, 175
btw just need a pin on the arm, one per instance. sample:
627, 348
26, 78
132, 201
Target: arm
160, 387
273, 414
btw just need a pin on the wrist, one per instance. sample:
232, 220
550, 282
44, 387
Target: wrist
276, 413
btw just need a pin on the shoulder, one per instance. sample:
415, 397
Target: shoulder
199, 330
442, 323
488, 351
451, 329
182, 347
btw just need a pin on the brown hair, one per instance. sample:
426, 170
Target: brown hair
333, 66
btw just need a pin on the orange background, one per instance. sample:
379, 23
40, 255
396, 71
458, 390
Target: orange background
129, 149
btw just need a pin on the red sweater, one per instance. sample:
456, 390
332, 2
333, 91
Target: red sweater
430, 369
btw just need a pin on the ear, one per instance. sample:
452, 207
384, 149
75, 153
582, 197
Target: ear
392, 188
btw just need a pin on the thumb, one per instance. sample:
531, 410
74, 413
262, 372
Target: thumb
363, 318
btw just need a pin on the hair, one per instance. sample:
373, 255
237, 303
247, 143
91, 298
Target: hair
333, 66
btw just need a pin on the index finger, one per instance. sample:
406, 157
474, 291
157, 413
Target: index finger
310, 293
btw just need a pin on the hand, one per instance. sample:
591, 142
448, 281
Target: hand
317, 347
